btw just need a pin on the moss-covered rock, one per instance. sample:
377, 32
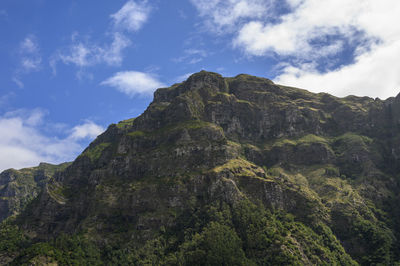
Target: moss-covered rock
19, 187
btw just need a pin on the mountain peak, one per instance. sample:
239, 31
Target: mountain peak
214, 156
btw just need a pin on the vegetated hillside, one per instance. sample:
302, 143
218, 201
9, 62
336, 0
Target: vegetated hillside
19, 187
226, 171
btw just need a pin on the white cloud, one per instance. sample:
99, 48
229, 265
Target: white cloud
132, 15
30, 59
30, 54
223, 15
80, 55
87, 130
84, 54
18, 81
374, 70
300, 32
113, 54
5, 98
134, 82
183, 77
30, 64
374, 73
314, 40
29, 45
22, 144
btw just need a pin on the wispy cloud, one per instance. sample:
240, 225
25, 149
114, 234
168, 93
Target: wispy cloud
183, 77
222, 16
131, 16
23, 144
30, 54
84, 53
113, 54
134, 83
191, 56
30, 58
17, 80
5, 99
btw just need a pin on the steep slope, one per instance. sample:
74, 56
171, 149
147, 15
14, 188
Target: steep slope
19, 187
231, 171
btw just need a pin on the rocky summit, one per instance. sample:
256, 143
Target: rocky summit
223, 171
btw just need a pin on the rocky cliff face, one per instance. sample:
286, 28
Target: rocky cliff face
19, 187
239, 156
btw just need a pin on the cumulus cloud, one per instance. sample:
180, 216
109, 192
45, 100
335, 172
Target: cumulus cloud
256, 39
133, 83
374, 73
23, 144
374, 69
312, 22
131, 16
86, 130
339, 46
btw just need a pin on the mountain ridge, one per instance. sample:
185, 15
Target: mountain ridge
215, 155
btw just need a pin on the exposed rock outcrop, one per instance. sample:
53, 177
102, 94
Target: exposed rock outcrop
329, 162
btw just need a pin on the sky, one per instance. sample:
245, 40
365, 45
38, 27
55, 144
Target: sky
70, 68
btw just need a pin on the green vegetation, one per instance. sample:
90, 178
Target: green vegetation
57, 191
12, 240
241, 167
136, 133
310, 138
219, 171
353, 139
217, 244
64, 250
250, 79
94, 152
307, 139
20, 187
193, 124
126, 123
218, 234
185, 125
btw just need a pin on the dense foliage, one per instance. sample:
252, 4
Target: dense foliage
218, 234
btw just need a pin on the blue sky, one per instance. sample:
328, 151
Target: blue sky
71, 68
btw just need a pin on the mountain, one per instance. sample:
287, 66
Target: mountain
225, 171
19, 187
